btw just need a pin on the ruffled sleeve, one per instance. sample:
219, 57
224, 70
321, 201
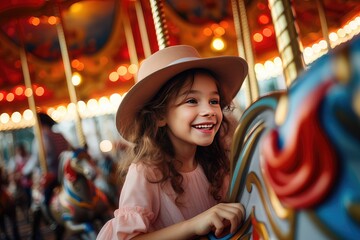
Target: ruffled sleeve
138, 206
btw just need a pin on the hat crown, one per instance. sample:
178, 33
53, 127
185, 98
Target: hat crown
164, 58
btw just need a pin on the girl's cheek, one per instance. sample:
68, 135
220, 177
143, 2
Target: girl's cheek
220, 117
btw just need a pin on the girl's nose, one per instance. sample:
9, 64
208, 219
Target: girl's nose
208, 111
209, 114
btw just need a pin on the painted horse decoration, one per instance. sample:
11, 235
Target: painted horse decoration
78, 205
296, 155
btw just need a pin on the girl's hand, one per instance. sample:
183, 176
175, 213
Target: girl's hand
218, 218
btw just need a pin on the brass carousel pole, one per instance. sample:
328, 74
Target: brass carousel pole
287, 39
248, 49
142, 27
241, 49
129, 38
323, 22
31, 101
68, 75
157, 9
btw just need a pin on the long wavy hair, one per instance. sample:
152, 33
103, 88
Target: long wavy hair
152, 146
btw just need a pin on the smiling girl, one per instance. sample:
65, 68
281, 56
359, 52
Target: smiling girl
177, 170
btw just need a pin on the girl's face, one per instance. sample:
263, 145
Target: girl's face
194, 115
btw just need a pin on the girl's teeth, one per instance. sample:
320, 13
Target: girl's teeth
203, 126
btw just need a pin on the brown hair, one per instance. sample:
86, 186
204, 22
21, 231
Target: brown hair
153, 148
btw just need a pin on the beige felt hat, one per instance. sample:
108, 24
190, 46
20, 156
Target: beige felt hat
160, 67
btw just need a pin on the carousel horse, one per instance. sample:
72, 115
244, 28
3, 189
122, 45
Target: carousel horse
78, 205
295, 160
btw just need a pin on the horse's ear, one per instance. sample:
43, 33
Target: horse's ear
69, 172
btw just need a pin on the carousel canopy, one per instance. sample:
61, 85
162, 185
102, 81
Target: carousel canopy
99, 36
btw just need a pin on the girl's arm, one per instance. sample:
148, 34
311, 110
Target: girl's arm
214, 219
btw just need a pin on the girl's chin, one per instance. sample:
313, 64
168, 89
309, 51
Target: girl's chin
204, 144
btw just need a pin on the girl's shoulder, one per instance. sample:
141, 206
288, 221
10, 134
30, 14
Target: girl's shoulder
150, 172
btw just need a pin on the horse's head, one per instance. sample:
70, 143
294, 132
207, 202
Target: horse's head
79, 163
311, 159
296, 154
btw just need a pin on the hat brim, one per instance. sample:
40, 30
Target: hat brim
229, 70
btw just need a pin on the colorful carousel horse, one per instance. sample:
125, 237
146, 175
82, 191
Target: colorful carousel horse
296, 155
78, 204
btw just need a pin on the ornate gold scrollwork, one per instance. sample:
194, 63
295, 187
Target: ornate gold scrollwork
253, 179
252, 139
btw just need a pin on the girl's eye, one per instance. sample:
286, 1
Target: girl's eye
191, 101
214, 102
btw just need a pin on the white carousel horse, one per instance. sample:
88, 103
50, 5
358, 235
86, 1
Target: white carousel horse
79, 205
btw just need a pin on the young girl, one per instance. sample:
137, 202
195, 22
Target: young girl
177, 168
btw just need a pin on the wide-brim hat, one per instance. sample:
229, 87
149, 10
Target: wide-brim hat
157, 69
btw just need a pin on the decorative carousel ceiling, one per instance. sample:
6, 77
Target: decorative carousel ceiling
97, 44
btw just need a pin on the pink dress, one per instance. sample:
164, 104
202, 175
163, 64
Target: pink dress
146, 207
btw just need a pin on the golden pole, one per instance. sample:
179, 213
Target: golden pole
32, 106
248, 49
241, 48
287, 39
129, 38
160, 23
142, 27
323, 22
68, 75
